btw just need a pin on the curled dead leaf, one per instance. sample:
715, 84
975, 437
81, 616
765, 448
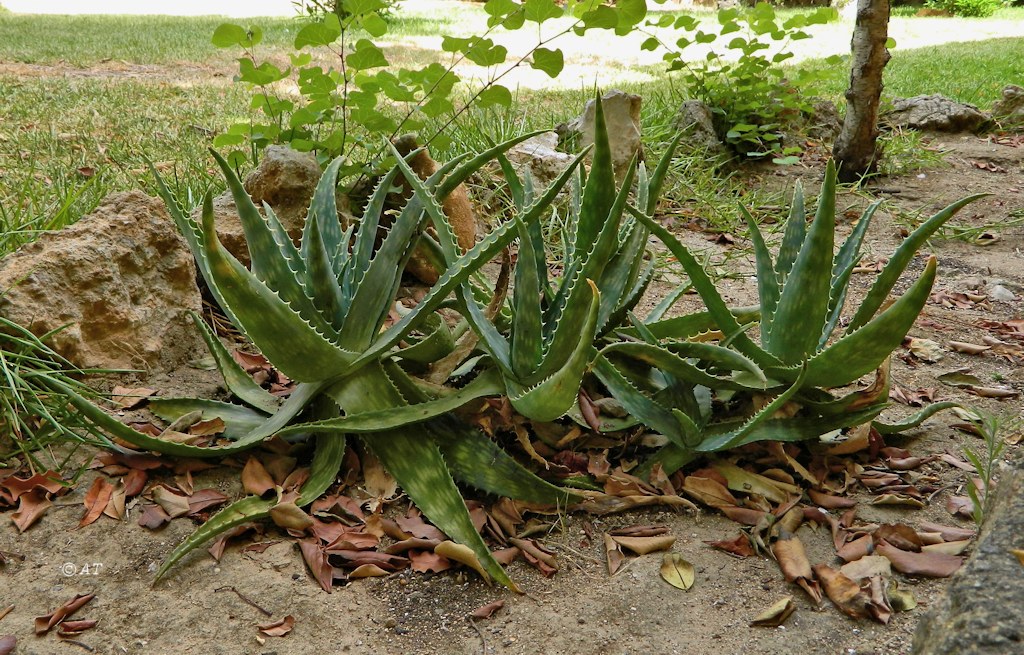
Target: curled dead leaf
256, 480
277, 628
789, 553
486, 611
901, 600
930, 564
461, 554
290, 517
44, 624
844, 593
677, 571
613, 554
96, 500
173, 504
645, 545
775, 615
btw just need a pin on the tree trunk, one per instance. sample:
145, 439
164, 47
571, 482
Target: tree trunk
855, 150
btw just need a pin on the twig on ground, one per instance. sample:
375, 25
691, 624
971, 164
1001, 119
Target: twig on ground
265, 612
479, 633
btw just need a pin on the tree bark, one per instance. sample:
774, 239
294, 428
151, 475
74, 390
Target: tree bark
855, 150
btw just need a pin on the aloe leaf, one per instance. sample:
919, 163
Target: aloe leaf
475, 459
659, 175
487, 383
802, 309
666, 303
742, 435
846, 261
599, 191
275, 260
672, 361
299, 399
297, 348
238, 420
886, 280
719, 313
418, 466
768, 288
915, 419
437, 342
366, 235
691, 325
515, 185
470, 166
324, 209
861, 352
322, 283
323, 471
236, 379
794, 236
527, 335
630, 300
619, 279
445, 235
552, 397
638, 404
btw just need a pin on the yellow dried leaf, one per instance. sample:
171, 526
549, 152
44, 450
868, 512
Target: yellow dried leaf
775, 615
677, 571
461, 554
645, 545
290, 517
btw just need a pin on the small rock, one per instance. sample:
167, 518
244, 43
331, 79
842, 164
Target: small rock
936, 113
121, 279
539, 156
622, 116
823, 123
1001, 293
695, 119
1009, 110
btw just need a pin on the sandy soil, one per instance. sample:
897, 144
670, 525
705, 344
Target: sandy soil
581, 608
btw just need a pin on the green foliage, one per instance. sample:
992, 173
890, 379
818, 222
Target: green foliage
348, 109
741, 78
32, 414
967, 8
317, 311
802, 295
990, 426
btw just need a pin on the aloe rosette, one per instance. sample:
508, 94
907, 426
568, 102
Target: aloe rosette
317, 311
802, 293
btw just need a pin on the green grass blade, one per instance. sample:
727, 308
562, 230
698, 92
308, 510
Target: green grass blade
657, 180
900, 259
236, 379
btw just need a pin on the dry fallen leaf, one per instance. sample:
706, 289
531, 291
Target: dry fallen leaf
129, 398
96, 500
463, 555
901, 600
173, 504
740, 546
31, 507
867, 567
789, 553
316, 560
613, 554
677, 571
290, 517
277, 628
1019, 554
44, 624
645, 545
367, 571
935, 565
924, 349
775, 615
844, 593
72, 628
255, 478
7, 644
486, 611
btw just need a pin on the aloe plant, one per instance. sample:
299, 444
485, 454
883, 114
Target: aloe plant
554, 323
317, 312
802, 293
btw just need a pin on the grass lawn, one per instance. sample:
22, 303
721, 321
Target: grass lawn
85, 100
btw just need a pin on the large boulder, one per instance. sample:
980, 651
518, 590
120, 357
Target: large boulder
936, 113
121, 279
1009, 110
285, 179
622, 116
539, 156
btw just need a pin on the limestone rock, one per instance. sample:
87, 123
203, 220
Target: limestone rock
539, 156
622, 115
694, 117
1009, 110
936, 113
121, 279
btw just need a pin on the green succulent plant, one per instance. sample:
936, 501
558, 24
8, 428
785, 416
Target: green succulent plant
317, 312
667, 380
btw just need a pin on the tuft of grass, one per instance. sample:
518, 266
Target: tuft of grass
907, 151
990, 427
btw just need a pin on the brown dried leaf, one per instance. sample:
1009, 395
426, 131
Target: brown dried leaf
789, 553
256, 480
130, 398
462, 554
290, 517
645, 545
745, 515
72, 628
44, 624
829, 501
96, 500
746, 482
968, 348
902, 536
677, 571
639, 531
613, 554
316, 559
417, 527
153, 516
740, 546
775, 615
207, 428
960, 506
935, 565
897, 499
135, 482
205, 499
378, 482
710, 492
173, 504
277, 628
867, 567
49, 481
843, 592
486, 611
428, 561
948, 547
367, 571
7, 644
31, 507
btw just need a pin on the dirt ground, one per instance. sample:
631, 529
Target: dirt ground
581, 609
